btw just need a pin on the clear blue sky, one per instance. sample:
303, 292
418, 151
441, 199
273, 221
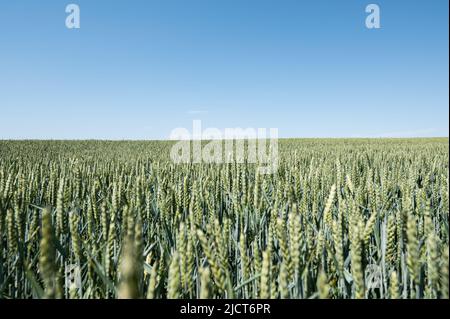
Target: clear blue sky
138, 69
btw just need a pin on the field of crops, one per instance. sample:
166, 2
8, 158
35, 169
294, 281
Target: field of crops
339, 219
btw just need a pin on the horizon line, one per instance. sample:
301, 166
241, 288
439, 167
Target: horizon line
222, 139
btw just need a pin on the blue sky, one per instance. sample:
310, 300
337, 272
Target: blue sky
139, 69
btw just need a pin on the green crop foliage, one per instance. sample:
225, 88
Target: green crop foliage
341, 218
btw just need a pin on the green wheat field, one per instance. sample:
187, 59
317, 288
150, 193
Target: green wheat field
341, 218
